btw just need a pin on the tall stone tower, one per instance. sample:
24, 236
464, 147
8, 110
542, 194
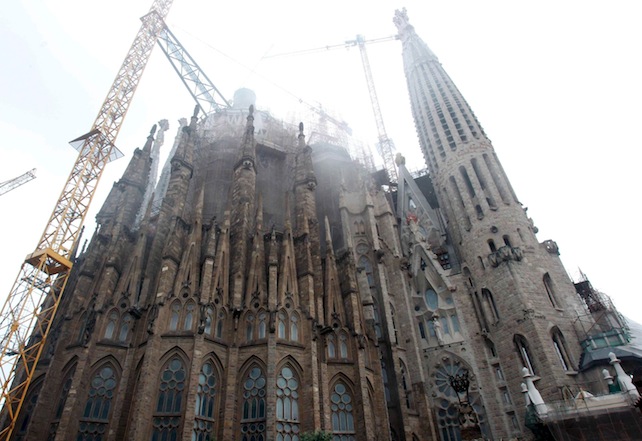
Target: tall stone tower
521, 308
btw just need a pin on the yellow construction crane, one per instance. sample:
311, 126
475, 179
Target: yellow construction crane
27, 314
385, 146
7, 186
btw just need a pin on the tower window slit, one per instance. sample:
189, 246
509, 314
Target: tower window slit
507, 241
482, 183
496, 179
491, 245
460, 202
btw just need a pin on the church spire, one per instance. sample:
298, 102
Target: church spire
243, 194
248, 155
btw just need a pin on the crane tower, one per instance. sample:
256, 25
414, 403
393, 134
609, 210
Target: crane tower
7, 186
27, 314
385, 145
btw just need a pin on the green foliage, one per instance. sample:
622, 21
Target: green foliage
319, 435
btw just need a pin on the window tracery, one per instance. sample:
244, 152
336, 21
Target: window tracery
205, 409
95, 417
166, 420
253, 408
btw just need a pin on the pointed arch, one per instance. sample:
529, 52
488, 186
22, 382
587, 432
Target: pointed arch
174, 315
261, 323
67, 378
95, 418
559, 343
249, 318
22, 425
343, 345
406, 384
523, 350
220, 323
113, 318
168, 407
331, 345
550, 290
282, 324
294, 326
288, 389
189, 315
253, 409
342, 409
207, 398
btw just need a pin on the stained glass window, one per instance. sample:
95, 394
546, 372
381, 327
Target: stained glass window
294, 327
342, 416
189, 316
281, 326
175, 316
110, 329
287, 406
125, 326
253, 409
93, 424
167, 417
205, 404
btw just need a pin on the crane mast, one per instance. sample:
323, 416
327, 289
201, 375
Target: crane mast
28, 312
385, 145
7, 186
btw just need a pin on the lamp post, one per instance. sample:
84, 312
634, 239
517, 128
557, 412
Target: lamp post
468, 421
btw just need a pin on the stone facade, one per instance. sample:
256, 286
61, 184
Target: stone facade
271, 288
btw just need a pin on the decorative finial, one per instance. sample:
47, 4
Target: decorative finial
401, 19
300, 128
251, 109
196, 109
153, 130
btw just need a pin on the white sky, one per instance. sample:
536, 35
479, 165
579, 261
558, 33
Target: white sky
556, 86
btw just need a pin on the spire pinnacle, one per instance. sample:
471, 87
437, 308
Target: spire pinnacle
150, 139
301, 136
247, 147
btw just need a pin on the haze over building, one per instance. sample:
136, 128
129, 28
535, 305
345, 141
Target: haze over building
272, 288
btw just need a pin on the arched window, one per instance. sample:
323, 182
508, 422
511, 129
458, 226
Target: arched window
524, 353
342, 416
205, 404
219, 324
332, 349
94, 420
294, 327
281, 325
343, 346
406, 386
62, 400
432, 300
125, 326
27, 410
112, 322
548, 284
287, 406
489, 306
367, 267
253, 408
209, 317
560, 348
190, 308
262, 324
175, 315
167, 417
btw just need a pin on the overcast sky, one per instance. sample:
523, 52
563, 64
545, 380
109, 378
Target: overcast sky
556, 86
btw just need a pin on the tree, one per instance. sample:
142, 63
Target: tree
319, 435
